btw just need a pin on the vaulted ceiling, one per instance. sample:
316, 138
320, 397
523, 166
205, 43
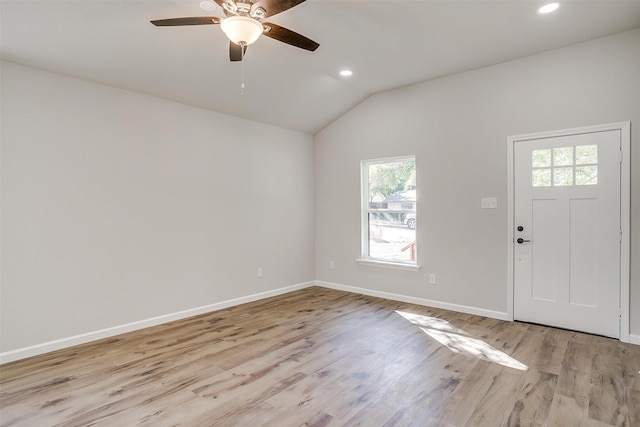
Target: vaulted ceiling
387, 44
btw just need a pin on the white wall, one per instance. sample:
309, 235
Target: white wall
457, 127
118, 207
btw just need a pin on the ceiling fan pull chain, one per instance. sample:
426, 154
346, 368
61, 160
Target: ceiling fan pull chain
242, 47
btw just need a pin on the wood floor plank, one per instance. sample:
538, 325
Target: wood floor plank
533, 399
607, 387
321, 357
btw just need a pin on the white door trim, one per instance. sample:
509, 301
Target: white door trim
625, 211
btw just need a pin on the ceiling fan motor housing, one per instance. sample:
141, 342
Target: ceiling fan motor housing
243, 9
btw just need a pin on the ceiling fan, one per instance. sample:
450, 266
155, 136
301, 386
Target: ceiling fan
243, 24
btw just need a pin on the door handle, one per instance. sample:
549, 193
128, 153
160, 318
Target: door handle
521, 240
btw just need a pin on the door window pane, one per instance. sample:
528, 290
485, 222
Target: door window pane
586, 154
541, 177
562, 176
541, 158
586, 175
563, 156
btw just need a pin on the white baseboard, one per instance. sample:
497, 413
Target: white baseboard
47, 347
419, 301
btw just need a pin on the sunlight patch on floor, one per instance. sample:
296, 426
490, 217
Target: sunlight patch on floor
459, 341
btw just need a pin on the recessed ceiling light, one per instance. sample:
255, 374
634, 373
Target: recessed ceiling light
548, 8
346, 73
208, 5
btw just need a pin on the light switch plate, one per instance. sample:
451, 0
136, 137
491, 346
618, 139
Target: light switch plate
489, 203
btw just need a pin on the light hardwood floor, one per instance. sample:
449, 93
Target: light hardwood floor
320, 357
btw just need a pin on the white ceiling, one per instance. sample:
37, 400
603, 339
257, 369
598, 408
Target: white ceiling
387, 44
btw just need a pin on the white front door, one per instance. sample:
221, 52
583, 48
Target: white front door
568, 231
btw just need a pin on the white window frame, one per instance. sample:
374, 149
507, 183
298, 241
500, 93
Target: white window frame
365, 259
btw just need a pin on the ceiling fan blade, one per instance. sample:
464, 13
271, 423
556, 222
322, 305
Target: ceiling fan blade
194, 20
272, 7
236, 52
289, 37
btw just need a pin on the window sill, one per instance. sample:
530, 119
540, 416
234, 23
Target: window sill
388, 264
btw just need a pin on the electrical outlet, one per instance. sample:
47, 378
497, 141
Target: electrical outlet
332, 265
259, 271
432, 279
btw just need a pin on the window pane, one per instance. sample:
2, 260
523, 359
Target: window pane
586, 154
563, 156
562, 176
387, 240
541, 158
373, 172
386, 178
541, 178
587, 175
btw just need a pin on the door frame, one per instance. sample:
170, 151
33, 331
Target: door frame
625, 211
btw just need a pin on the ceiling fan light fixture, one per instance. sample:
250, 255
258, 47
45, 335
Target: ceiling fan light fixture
241, 29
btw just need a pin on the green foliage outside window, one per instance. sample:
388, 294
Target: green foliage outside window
386, 179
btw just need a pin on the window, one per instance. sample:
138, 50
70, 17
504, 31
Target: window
565, 166
389, 211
